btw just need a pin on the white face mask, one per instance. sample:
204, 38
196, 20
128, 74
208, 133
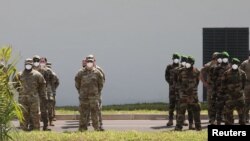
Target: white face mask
28, 67
90, 65
219, 60
225, 60
36, 64
176, 61
183, 63
235, 67
188, 65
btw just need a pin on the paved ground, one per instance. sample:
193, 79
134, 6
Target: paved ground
118, 125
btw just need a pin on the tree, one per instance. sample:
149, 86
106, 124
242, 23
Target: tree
9, 107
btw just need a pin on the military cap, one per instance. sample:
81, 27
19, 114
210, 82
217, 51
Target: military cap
176, 56
183, 58
36, 57
28, 61
225, 54
215, 54
190, 60
235, 61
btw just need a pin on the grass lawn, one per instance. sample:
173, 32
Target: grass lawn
108, 112
139, 108
112, 136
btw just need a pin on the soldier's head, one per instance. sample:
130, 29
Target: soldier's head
49, 64
183, 60
219, 58
43, 62
176, 58
28, 64
225, 57
214, 56
90, 63
190, 62
36, 60
235, 63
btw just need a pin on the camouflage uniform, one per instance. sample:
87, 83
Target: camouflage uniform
218, 102
54, 85
178, 90
189, 80
169, 77
206, 76
89, 84
45, 105
100, 95
233, 82
245, 66
31, 87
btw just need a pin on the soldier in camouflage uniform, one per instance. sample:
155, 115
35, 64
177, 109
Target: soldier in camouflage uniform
188, 97
245, 66
178, 89
89, 84
54, 85
40, 65
233, 83
205, 77
31, 86
217, 74
100, 95
169, 77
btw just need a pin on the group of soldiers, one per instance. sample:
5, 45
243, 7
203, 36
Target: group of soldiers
89, 82
227, 84
36, 86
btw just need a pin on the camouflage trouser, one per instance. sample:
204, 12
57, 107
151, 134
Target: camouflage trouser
229, 108
44, 112
87, 105
247, 109
54, 107
30, 112
220, 104
50, 109
194, 108
217, 107
172, 102
99, 113
210, 103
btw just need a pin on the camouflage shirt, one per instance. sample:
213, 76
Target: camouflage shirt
189, 80
206, 71
30, 84
89, 83
233, 83
170, 74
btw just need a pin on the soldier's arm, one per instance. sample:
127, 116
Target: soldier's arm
100, 82
42, 88
167, 74
243, 66
78, 81
244, 78
198, 78
56, 81
202, 74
